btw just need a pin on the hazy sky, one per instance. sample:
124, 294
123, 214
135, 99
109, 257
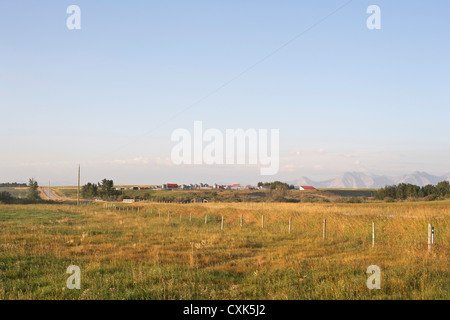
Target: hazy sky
108, 96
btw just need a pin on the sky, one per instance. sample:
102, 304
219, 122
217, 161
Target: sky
109, 95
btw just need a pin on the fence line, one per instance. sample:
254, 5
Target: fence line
430, 240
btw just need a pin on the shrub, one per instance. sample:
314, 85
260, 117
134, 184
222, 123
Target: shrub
5, 197
355, 200
431, 197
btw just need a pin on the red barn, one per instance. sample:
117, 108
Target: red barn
307, 188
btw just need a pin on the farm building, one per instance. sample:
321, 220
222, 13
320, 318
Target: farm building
307, 188
170, 186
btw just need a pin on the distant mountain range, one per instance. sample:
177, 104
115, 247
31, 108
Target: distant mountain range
362, 180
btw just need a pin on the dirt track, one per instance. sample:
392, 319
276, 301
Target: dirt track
48, 193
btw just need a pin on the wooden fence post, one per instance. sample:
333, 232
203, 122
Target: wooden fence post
221, 225
242, 220
290, 224
206, 218
324, 229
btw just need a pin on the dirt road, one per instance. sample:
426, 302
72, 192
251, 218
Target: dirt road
48, 193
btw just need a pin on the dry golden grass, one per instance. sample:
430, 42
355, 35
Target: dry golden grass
142, 255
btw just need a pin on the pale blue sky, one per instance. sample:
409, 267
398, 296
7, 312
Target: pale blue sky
344, 97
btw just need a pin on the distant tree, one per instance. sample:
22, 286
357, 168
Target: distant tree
443, 188
274, 185
429, 190
407, 190
106, 189
89, 191
33, 192
401, 191
412, 191
5, 197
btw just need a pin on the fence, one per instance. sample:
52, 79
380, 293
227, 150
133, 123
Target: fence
289, 222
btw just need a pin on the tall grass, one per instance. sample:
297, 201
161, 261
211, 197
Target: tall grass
139, 255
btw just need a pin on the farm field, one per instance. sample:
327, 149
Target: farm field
15, 192
157, 251
322, 195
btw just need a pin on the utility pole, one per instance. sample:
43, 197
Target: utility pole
78, 189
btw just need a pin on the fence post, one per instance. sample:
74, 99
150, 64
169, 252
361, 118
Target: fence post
430, 236
242, 220
290, 224
373, 234
168, 215
324, 229
206, 218
221, 225
262, 222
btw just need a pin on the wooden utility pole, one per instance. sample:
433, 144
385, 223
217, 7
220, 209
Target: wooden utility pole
78, 189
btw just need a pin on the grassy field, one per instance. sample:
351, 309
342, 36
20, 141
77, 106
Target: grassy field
131, 252
15, 192
328, 195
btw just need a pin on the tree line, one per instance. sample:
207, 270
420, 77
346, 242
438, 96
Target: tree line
404, 191
13, 185
276, 185
104, 190
32, 194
